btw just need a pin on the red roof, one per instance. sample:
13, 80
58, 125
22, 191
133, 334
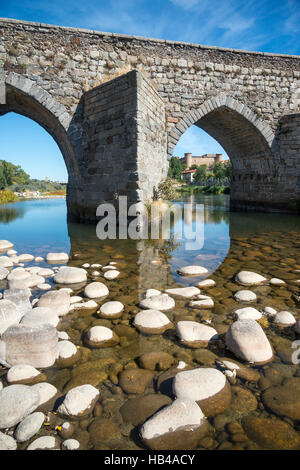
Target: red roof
188, 171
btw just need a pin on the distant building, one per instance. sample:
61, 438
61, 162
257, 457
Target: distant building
188, 175
208, 159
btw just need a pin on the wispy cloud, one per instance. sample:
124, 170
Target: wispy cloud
186, 4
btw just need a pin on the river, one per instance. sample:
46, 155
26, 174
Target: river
267, 244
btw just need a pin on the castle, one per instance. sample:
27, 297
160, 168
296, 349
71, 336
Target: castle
208, 159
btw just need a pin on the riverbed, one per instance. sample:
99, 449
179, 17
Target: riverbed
267, 244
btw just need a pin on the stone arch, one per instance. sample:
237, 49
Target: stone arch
248, 141
24, 97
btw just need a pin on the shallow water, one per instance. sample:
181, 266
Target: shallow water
264, 243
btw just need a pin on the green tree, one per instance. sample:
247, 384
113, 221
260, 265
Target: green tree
175, 168
13, 174
3, 182
201, 174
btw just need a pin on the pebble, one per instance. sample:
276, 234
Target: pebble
277, 282
101, 337
110, 275
204, 302
79, 401
158, 302
185, 292
248, 313
270, 311
55, 258
192, 271
284, 318
248, 278
177, 426
7, 442
112, 309
206, 283
17, 402
70, 275
29, 426
195, 334
96, 290
5, 245
245, 296
152, 322
22, 373
44, 443
247, 340
70, 444
206, 386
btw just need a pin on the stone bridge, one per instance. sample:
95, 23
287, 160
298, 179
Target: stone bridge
117, 105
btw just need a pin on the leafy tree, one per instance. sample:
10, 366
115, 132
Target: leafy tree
194, 167
3, 183
201, 174
175, 168
13, 174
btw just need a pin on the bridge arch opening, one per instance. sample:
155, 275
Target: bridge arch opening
247, 141
20, 102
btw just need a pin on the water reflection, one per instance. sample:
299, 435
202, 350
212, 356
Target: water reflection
8, 214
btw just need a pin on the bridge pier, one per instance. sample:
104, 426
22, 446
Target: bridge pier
123, 145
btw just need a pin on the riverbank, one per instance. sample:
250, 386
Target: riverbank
209, 189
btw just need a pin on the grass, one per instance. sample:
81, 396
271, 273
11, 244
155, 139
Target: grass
7, 196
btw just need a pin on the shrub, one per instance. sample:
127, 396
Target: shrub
7, 196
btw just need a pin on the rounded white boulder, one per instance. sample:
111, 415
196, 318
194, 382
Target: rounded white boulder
158, 302
247, 340
96, 290
248, 278
192, 271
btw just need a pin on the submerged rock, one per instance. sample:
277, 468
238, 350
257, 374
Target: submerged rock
284, 400
112, 310
206, 386
206, 283
135, 381
248, 313
45, 443
248, 278
185, 292
136, 410
96, 290
156, 360
24, 374
79, 401
70, 275
56, 258
158, 302
204, 301
271, 434
101, 337
152, 322
194, 334
177, 426
245, 296
5, 245
283, 318
247, 340
192, 271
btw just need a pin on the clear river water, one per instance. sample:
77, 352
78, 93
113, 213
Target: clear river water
267, 244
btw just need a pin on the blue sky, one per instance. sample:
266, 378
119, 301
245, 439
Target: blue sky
264, 25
